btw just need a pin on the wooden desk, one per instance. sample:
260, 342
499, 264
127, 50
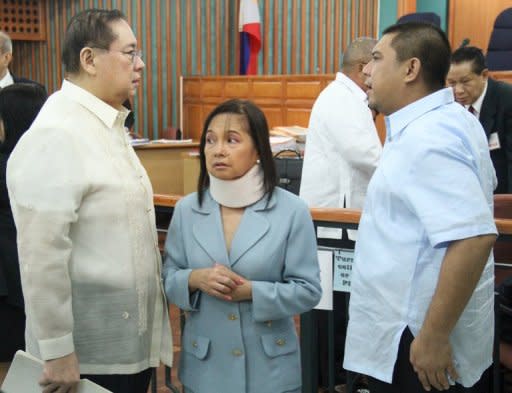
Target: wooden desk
165, 165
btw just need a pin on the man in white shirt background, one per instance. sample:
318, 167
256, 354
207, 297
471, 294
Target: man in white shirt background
83, 207
341, 154
6, 78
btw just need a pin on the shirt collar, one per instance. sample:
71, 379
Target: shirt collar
351, 85
398, 121
106, 113
477, 105
6, 80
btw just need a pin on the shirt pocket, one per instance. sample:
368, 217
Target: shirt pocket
196, 345
279, 343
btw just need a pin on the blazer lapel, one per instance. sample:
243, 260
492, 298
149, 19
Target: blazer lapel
253, 226
207, 230
488, 112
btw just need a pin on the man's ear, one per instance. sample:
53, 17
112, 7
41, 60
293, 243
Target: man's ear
8, 57
412, 69
87, 60
485, 73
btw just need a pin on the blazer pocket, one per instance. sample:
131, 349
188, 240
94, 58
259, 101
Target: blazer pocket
197, 346
279, 343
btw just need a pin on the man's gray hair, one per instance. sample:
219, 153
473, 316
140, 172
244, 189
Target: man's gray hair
359, 51
5, 43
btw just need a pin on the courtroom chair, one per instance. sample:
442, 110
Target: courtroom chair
499, 51
172, 133
427, 17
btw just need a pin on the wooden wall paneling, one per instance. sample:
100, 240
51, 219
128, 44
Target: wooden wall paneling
321, 24
208, 62
218, 37
308, 37
188, 33
274, 115
169, 70
178, 72
345, 29
505, 76
295, 37
313, 47
284, 40
303, 34
405, 7
267, 89
159, 75
276, 69
141, 111
328, 37
337, 41
148, 98
235, 89
470, 19
193, 120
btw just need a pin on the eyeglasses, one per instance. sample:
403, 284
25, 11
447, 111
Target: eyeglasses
132, 54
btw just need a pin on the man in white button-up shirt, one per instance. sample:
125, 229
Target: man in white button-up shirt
83, 207
421, 303
343, 147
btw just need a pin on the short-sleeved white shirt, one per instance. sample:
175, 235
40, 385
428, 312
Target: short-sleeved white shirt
434, 185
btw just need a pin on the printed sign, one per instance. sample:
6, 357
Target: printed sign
343, 262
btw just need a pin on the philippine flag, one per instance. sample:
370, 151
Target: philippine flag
250, 36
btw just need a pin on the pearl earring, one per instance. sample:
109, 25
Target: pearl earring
258, 161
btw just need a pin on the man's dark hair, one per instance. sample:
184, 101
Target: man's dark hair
88, 28
470, 54
258, 130
429, 44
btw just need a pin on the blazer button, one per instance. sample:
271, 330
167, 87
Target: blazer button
194, 344
232, 317
280, 341
237, 352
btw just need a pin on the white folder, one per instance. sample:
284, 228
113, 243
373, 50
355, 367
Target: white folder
26, 370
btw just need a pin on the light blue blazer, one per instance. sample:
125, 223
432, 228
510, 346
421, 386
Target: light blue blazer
251, 346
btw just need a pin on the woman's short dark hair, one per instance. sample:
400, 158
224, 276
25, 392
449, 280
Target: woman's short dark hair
19, 105
258, 130
88, 28
429, 44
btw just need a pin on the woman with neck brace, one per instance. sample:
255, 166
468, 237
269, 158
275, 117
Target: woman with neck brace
241, 260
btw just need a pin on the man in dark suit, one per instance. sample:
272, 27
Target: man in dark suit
491, 102
6, 78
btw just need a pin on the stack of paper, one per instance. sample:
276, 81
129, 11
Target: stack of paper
279, 143
297, 132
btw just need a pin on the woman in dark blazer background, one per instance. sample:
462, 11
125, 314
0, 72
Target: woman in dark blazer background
19, 106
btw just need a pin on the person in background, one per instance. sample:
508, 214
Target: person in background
83, 206
491, 102
421, 302
241, 260
343, 147
19, 105
6, 78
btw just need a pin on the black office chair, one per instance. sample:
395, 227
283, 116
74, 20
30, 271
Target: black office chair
499, 51
427, 17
